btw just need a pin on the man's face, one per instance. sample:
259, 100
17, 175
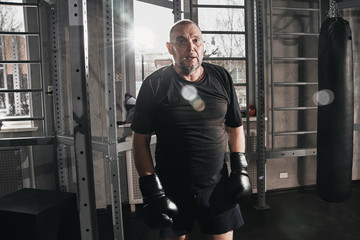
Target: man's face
187, 48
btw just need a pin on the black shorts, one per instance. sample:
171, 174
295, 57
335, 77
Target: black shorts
216, 215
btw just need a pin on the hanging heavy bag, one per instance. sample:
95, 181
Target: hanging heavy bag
336, 116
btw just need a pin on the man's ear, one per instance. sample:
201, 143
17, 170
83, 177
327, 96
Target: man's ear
169, 47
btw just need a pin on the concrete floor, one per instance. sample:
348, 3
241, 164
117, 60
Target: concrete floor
297, 214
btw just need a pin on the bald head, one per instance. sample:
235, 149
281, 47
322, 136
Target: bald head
181, 23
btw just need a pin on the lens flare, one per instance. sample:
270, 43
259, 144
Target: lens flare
190, 94
323, 97
198, 104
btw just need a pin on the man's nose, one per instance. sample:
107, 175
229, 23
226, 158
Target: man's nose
190, 44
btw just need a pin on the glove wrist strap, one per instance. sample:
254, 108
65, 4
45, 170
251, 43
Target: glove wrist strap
238, 161
150, 186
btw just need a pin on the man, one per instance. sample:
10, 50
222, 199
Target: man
193, 110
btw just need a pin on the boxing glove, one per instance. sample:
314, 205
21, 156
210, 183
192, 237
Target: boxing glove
239, 185
159, 211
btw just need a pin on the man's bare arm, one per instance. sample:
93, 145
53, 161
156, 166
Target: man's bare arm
142, 154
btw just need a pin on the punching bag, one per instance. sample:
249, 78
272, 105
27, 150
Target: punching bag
335, 116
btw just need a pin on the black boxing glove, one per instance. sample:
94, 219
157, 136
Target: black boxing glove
158, 209
239, 185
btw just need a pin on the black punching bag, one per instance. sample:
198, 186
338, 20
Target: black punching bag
336, 116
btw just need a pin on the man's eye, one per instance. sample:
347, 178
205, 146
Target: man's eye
197, 41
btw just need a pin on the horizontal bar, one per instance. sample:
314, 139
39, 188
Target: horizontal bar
20, 33
287, 84
31, 141
18, 119
166, 4
294, 59
226, 58
96, 146
20, 61
223, 32
20, 90
294, 108
65, 140
99, 146
287, 133
240, 84
281, 153
348, 4
127, 145
217, 6
296, 33
297, 9
19, 4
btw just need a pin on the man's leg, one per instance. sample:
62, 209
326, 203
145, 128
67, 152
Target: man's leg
184, 237
224, 236
218, 216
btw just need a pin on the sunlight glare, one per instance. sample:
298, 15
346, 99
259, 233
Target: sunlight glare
144, 38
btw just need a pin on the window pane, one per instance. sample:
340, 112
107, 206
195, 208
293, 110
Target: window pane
12, 18
147, 63
221, 19
241, 94
237, 69
151, 35
224, 45
19, 48
222, 2
20, 76
20, 104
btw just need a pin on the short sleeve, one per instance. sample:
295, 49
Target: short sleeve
233, 114
142, 121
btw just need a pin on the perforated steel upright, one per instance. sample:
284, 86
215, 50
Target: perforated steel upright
113, 160
260, 109
58, 101
177, 10
79, 73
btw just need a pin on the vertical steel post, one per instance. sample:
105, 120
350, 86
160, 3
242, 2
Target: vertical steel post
250, 62
177, 10
260, 110
58, 100
79, 73
110, 103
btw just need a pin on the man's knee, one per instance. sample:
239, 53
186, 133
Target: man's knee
223, 236
184, 237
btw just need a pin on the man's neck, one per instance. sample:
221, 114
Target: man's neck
194, 76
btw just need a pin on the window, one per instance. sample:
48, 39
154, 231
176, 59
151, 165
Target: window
20, 68
151, 35
223, 25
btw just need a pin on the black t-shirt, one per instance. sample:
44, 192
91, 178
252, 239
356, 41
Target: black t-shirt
190, 128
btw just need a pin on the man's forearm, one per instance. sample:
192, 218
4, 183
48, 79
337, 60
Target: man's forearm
236, 138
142, 154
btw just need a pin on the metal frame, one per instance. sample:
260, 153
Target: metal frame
260, 108
177, 10
81, 115
250, 62
42, 90
112, 152
58, 101
274, 84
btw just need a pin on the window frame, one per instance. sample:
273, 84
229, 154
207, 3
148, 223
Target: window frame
26, 123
